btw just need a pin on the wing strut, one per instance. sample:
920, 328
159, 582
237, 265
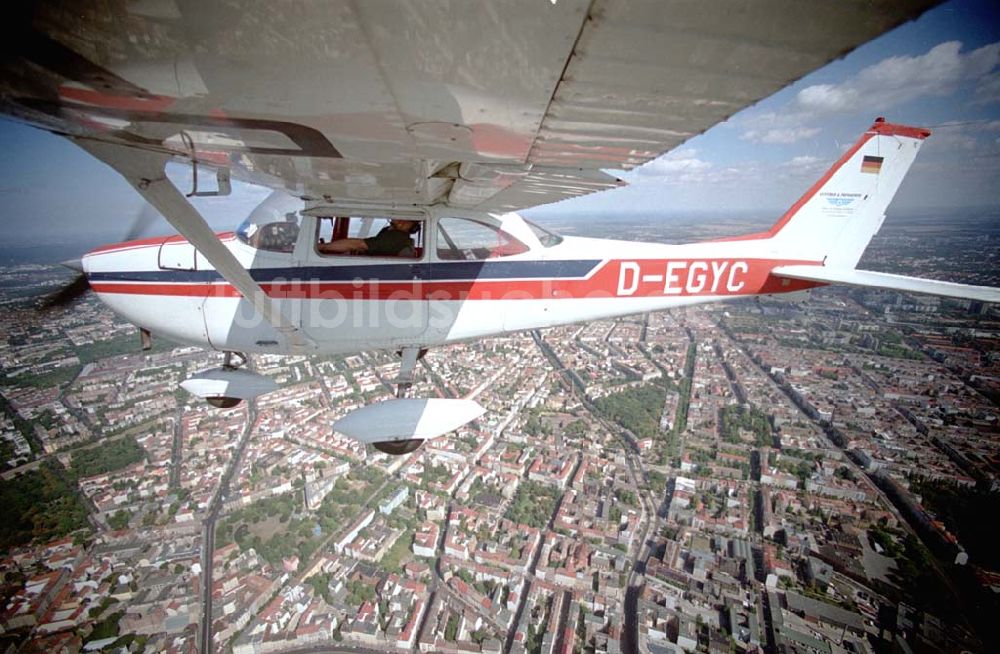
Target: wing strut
145, 170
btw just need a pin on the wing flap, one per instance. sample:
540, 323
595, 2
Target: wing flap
888, 281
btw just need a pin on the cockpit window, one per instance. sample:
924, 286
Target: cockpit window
462, 239
544, 236
274, 236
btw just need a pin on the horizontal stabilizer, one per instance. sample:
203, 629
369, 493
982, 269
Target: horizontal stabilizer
871, 279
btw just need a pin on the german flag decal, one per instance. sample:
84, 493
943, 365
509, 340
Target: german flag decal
871, 164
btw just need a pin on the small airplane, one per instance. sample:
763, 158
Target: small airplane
468, 274
444, 118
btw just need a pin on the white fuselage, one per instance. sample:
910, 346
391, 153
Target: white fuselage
348, 303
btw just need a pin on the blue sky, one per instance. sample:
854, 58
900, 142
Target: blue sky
941, 71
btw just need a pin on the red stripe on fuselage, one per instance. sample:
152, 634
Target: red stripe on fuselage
643, 278
154, 241
165, 290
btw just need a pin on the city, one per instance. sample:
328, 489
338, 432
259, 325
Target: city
805, 475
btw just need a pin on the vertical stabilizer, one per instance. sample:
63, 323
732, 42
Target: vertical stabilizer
837, 218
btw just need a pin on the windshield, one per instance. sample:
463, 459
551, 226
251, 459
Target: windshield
277, 236
544, 236
273, 225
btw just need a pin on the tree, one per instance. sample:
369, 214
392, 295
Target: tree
321, 584
533, 504
636, 409
628, 498
119, 520
39, 504
451, 628
111, 455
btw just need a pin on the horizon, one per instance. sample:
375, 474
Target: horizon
45, 250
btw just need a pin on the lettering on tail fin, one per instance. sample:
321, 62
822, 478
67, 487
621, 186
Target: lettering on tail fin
840, 205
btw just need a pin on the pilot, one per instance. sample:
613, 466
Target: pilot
393, 241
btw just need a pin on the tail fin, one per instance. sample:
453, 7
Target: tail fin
837, 218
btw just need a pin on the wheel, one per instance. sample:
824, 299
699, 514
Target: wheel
223, 402
397, 448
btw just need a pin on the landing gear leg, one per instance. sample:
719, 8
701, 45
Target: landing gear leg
229, 384
241, 360
407, 368
232, 361
399, 426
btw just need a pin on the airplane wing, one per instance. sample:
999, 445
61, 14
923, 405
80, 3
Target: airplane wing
473, 103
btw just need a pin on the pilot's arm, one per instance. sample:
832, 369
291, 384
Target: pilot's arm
389, 242
343, 246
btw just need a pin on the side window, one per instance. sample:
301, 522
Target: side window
383, 236
324, 230
331, 229
461, 239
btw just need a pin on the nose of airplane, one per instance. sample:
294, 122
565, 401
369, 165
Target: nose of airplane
70, 292
73, 264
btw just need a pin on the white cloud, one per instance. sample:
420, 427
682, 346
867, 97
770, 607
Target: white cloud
826, 97
895, 80
963, 145
782, 135
804, 160
677, 165
988, 89
684, 168
948, 142
663, 166
881, 86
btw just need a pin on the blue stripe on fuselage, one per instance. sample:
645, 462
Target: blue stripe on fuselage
393, 272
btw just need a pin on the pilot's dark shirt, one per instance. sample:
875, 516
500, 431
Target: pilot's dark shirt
388, 243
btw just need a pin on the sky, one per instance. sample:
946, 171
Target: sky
941, 71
